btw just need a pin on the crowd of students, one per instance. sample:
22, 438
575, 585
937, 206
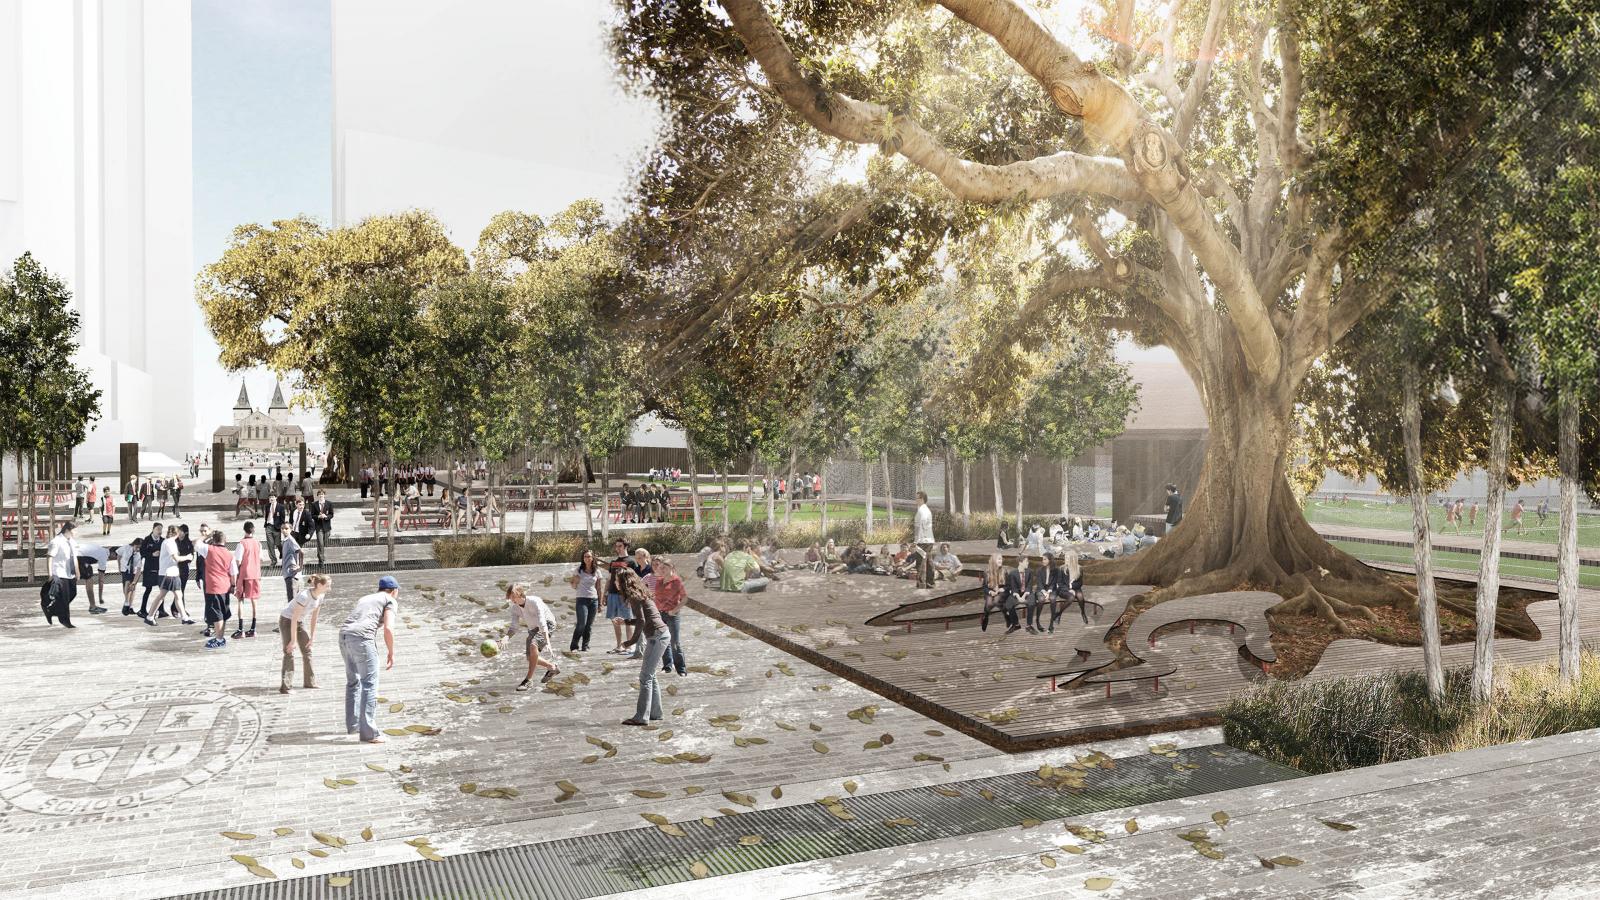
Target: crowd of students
1049, 588
407, 477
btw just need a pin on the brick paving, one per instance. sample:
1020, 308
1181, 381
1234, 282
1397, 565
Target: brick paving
490, 736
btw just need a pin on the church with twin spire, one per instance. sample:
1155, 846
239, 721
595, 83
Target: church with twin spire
253, 430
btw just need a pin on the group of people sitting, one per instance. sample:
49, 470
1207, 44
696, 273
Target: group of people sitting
859, 559
1050, 586
646, 503
744, 568
1114, 540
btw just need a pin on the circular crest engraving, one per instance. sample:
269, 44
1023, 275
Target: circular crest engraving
128, 751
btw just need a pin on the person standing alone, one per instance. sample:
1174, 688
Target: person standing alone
297, 626
373, 615
922, 536
62, 588
1173, 507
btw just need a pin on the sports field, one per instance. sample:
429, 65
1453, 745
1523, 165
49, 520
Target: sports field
1397, 517
1588, 576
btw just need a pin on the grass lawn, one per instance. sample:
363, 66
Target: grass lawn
809, 512
1397, 517
1588, 576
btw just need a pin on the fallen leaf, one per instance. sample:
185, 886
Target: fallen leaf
282, 832
570, 788
741, 799
396, 707
239, 835
1284, 861
1337, 826
654, 818
298, 863
819, 746
902, 822
649, 795
947, 792
708, 822
469, 787
409, 788
692, 789
376, 768
1221, 818
332, 840
339, 880
243, 860
318, 853
699, 869
1048, 861
366, 833
850, 787
1132, 825
1098, 883
674, 830
430, 853
1073, 849
262, 872
749, 840
777, 793
1029, 823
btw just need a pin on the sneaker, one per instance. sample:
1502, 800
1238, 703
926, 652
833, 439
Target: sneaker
188, 621
1032, 630
127, 610
250, 633
148, 621
1013, 628
549, 674
523, 685
216, 643
207, 632
283, 690
238, 634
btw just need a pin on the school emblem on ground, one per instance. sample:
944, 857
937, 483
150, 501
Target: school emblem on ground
128, 751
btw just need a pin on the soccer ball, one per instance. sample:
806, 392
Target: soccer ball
489, 648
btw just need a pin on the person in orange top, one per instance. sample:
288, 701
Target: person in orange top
670, 595
219, 568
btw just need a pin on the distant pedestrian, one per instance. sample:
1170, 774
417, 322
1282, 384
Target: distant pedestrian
80, 495
247, 556
177, 495
1516, 517
297, 626
1472, 519
1173, 507
372, 616
109, 511
294, 561
922, 536
1543, 510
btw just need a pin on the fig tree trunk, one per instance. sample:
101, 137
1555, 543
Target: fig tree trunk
694, 484
999, 496
1489, 560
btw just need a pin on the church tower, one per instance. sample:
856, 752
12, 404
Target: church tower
278, 410
241, 408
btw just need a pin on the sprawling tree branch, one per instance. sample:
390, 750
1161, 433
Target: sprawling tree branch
861, 122
1190, 107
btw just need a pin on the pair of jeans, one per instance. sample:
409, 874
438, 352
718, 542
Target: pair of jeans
360, 684
754, 585
588, 608
292, 636
925, 566
673, 658
649, 689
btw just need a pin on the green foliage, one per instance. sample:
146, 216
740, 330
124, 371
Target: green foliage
374, 388
47, 401
1333, 725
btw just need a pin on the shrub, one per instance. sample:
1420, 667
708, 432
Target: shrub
1330, 726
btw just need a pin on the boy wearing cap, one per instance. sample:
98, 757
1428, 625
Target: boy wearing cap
372, 615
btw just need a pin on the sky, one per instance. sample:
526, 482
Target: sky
262, 148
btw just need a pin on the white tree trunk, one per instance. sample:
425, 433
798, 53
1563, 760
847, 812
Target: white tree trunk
827, 480
788, 497
949, 480
1489, 562
1019, 497
390, 457
999, 495
966, 493
725, 498
866, 469
588, 510
1066, 481
1567, 541
505, 495
694, 485
1421, 540
772, 499
33, 509
888, 489
3, 503
533, 478
750, 490
605, 500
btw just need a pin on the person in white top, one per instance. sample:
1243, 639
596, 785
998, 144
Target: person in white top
922, 536
297, 624
373, 615
92, 560
533, 614
170, 583
55, 600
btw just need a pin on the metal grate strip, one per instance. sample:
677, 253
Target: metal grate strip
598, 865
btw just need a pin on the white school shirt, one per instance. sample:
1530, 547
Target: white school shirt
101, 555
169, 558
63, 557
304, 599
922, 527
530, 615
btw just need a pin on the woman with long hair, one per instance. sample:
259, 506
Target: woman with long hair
653, 633
585, 583
670, 597
993, 587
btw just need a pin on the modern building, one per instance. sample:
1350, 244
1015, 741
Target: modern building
96, 181
255, 430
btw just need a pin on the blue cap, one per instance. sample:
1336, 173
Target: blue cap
387, 583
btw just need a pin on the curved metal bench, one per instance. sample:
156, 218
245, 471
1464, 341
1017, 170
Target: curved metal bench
1153, 668
1239, 610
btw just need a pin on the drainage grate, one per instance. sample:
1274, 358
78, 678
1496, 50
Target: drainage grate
598, 865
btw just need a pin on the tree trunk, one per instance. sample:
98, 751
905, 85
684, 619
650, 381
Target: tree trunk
2, 527
1066, 481
788, 496
750, 490
1018, 464
1421, 540
33, 509
966, 493
505, 497
888, 489
772, 499
52, 473
533, 478
999, 495
455, 521
1489, 561
1567, 541
823, 499
694, 484
588, 511
866, 469
725, 496
949, 480
605, 501
392, 492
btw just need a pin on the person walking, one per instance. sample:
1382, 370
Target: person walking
366, 481
272, 526
322, 517
534, 615
247, 556
297, 625
147, 493
585, 584
670, 596
150, 560
372, 616
1516, 517
55, 600
221, 571
131, 495
922, 536
109, 512
163, 489
171, 585
177, 496
616, 608
652, 632
186, 564
1173, 507
294, 562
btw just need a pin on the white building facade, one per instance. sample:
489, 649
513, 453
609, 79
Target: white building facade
96, 180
